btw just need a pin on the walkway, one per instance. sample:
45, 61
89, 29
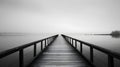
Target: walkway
60, 54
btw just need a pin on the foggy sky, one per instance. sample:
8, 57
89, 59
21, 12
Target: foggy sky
87, 16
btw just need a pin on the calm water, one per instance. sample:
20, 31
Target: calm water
108, 42
105, 41
7, 42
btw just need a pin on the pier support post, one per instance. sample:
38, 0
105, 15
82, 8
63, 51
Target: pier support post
21, 58
110, 61
75, 44
91, 54
81, 47
41, 45
35, 49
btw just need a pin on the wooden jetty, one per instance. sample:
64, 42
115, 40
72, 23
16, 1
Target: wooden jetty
60, 54
60, 51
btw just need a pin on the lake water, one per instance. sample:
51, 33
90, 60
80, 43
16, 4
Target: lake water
105, 41
108, 42
8, 42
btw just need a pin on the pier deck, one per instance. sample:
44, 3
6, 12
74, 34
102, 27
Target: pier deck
60, 54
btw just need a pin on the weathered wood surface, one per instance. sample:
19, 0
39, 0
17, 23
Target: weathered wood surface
60, 54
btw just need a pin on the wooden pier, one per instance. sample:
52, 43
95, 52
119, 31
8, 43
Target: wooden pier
60, 51
60, 54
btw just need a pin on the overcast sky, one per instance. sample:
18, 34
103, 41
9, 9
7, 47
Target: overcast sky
84, 16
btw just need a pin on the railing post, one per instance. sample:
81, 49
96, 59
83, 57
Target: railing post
81, 47
45, 42
75, 44
70, 40
91, 54
35, 49
72, 43
49, 40
110, 61
41, 45
21, 58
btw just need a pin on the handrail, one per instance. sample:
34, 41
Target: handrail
47, 42
111, 54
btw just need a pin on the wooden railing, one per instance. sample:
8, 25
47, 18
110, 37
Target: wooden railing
111, 55
47, 41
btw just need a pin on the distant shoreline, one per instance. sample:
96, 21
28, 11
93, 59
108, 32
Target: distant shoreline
113, 35
101, 34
